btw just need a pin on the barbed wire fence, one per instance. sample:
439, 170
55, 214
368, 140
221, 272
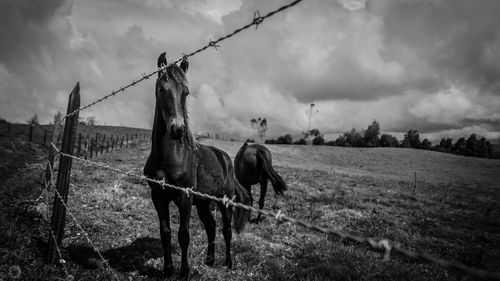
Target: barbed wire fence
382, 245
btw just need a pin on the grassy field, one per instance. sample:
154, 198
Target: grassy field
453, 214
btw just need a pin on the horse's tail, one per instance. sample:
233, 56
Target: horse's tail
279, 185
240, 216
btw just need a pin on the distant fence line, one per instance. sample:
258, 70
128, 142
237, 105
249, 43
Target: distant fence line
90, 144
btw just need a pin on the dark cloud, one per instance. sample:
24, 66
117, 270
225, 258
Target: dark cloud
429, 65
458, 41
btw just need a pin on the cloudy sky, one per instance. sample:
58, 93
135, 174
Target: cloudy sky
430, 65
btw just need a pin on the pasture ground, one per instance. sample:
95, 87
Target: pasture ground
454, 215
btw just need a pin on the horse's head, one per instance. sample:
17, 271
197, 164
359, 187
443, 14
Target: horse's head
171, 93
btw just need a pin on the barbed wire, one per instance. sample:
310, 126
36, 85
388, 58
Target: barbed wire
62, 261
47, 187
257, 19
381, 245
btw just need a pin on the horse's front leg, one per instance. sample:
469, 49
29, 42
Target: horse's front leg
161, 204
227, 216
184, 203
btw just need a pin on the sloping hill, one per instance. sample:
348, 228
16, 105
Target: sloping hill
391, 163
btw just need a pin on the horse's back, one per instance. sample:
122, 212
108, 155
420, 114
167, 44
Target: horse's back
246, 164
215, 172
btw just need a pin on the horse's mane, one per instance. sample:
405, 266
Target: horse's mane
174, 73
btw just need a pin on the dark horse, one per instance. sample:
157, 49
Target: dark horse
179, 160
253, 164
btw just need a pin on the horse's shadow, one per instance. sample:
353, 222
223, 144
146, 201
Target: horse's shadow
128, 258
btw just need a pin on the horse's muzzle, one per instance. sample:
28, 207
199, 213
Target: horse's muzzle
176, 132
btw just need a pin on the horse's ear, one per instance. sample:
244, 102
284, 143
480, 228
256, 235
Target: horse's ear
162, 60
184, 64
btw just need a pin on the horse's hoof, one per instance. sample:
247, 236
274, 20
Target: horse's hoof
184, 273
168, 270
209, 261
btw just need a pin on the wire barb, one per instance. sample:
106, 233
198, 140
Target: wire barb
211, 44
257, 19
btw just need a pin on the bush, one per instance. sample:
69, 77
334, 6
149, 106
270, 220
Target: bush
319, 140
286, 139
371, 135
250, 140
300, 142
387, 140
331, 143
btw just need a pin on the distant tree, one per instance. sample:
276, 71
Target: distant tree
300, 141
57, 117
387, 140
426, 144
286, 139
260, 125
471, 147
445, 145
91, 121
458, 148
309, 114
312, 132
319, 140
341, 140
33, 120
482, 148
331, 143
250, 140
371, 135
2, 120
354, 138
411, 139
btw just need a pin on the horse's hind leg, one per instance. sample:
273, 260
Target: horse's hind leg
262, 199
184, 204
248, 187
227, 215
209, 223
162, 208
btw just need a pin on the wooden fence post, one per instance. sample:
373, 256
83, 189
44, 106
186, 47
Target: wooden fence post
91, 147
86, 146
45, 137
126, 143
63, 176
31, 133
79, 144
8, 128
107, 146
102, 144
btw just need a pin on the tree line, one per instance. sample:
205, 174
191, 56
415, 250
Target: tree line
474, 145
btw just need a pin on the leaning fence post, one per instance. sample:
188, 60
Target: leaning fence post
31, 132
86, 146
91, 147
61, 194
79, 144
102, 144
45, 137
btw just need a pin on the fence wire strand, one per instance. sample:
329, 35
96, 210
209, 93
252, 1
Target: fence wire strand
257, 19
383, 245
62, 261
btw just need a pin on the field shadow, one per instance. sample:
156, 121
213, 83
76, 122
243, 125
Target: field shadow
128, 258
